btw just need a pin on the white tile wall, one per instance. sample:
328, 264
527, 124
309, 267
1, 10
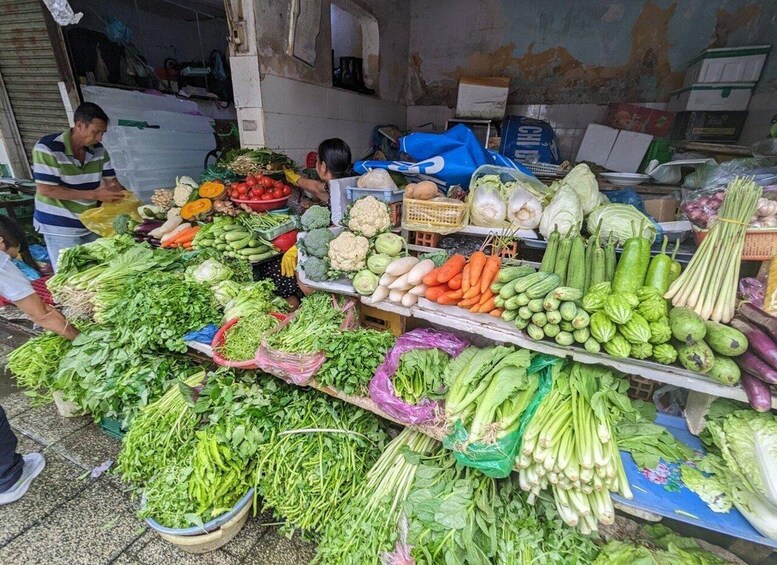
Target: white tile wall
298, 116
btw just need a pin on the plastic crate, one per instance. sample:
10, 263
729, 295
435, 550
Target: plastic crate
272, 233
760, 245
426, 238
112, 427
641, 388
446, 214
376, 319
510, 251
395, 213
387, 195
22, 208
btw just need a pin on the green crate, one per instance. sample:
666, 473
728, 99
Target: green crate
112, 427
23, 208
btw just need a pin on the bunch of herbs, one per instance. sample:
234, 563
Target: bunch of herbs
352, 358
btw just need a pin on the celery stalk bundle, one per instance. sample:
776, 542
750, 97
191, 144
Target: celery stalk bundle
488, 390
569, 445
709, 283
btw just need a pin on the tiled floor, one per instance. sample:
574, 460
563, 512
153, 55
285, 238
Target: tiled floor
66, 517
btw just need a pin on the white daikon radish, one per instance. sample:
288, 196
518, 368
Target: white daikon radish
417, 273
399, 267
396, 296
401, 283
381, 293
418, 290
409, 299
386, 279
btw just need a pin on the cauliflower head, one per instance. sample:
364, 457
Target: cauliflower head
348, 252
316, 242
368, 217
184, 187
315, 217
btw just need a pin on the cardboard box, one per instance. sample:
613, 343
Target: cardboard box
662, 209
482, 97
631, 117
712, 97
616, 150
709, 127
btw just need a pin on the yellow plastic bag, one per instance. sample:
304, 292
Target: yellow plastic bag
100, 219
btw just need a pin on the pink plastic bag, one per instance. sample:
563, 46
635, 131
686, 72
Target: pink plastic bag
382, 390
298, 368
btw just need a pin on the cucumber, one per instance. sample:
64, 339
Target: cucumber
551, 330
507, 291
222, 246
581, 335
565, 338
509, 315
508, 274
562, 259
512, 303
554, 317
535, 332
567, 293
261, 256
520, 323
575, 275
496, 287
522, 299
499, 302
539, 319
525, 313
551, 303
237, 235
535, 305
568, 311
543, 287
239, 244
523, 284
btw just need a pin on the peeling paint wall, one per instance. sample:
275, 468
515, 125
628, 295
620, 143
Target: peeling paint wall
559, 51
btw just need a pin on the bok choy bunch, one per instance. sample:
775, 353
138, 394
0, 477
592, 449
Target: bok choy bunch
569, 445
488, 391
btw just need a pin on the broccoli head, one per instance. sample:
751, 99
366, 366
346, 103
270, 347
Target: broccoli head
316, 217
316, 242
123, 224
316, 269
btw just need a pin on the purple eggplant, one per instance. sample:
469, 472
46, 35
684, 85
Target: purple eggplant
759, 394
759, 341
752, 364
146, 226
758, 317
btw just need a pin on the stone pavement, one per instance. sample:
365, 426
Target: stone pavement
68, 518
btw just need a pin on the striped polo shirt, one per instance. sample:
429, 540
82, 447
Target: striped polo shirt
54, 163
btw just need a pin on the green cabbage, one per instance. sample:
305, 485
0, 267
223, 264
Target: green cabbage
564, 212
620, 220
585, 185
209, 271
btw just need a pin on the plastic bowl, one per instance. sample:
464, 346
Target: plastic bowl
218, 340
282, 211
263, 205
208, 526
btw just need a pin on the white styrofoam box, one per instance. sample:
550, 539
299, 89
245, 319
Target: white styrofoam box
727, 64
127, 101
482, 97
627, 152
711, 97
597, 144
338, 199
616, 150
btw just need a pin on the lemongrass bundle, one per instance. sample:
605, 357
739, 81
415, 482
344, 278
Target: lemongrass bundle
708, 285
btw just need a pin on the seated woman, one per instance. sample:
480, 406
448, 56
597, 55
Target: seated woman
333, 162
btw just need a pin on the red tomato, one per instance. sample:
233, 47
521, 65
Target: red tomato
267, 182
259, 190
251, 181
266, 196
277, 184
286, 190
277, 193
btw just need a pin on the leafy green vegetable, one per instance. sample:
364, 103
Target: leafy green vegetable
670, 549
650, 443
107, 379
314, 325
156, 310
35, 363
255, 298
421, 374
352, 358
242, 340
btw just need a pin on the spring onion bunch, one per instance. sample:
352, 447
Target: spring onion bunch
35, 363
242, 340
488, 391
709, 283
366, 524
570, 446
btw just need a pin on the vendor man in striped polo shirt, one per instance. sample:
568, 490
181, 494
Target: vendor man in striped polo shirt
73, 173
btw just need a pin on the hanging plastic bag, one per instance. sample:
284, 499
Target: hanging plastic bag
382, 390
100, 219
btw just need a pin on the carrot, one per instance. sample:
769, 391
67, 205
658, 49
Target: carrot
487, 306
456, 282
430, 279
496, 312
469, 302
477, 262
489, 272
184, 235
485, 297
451, 268
473, 291
475, 309
465, 278
451, 297
434, 292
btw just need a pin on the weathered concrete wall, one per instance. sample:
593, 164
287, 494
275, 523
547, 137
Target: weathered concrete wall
585, 51
394, 37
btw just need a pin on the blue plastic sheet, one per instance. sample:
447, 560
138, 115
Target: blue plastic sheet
205, 335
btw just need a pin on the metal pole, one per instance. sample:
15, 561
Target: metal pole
202, 53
